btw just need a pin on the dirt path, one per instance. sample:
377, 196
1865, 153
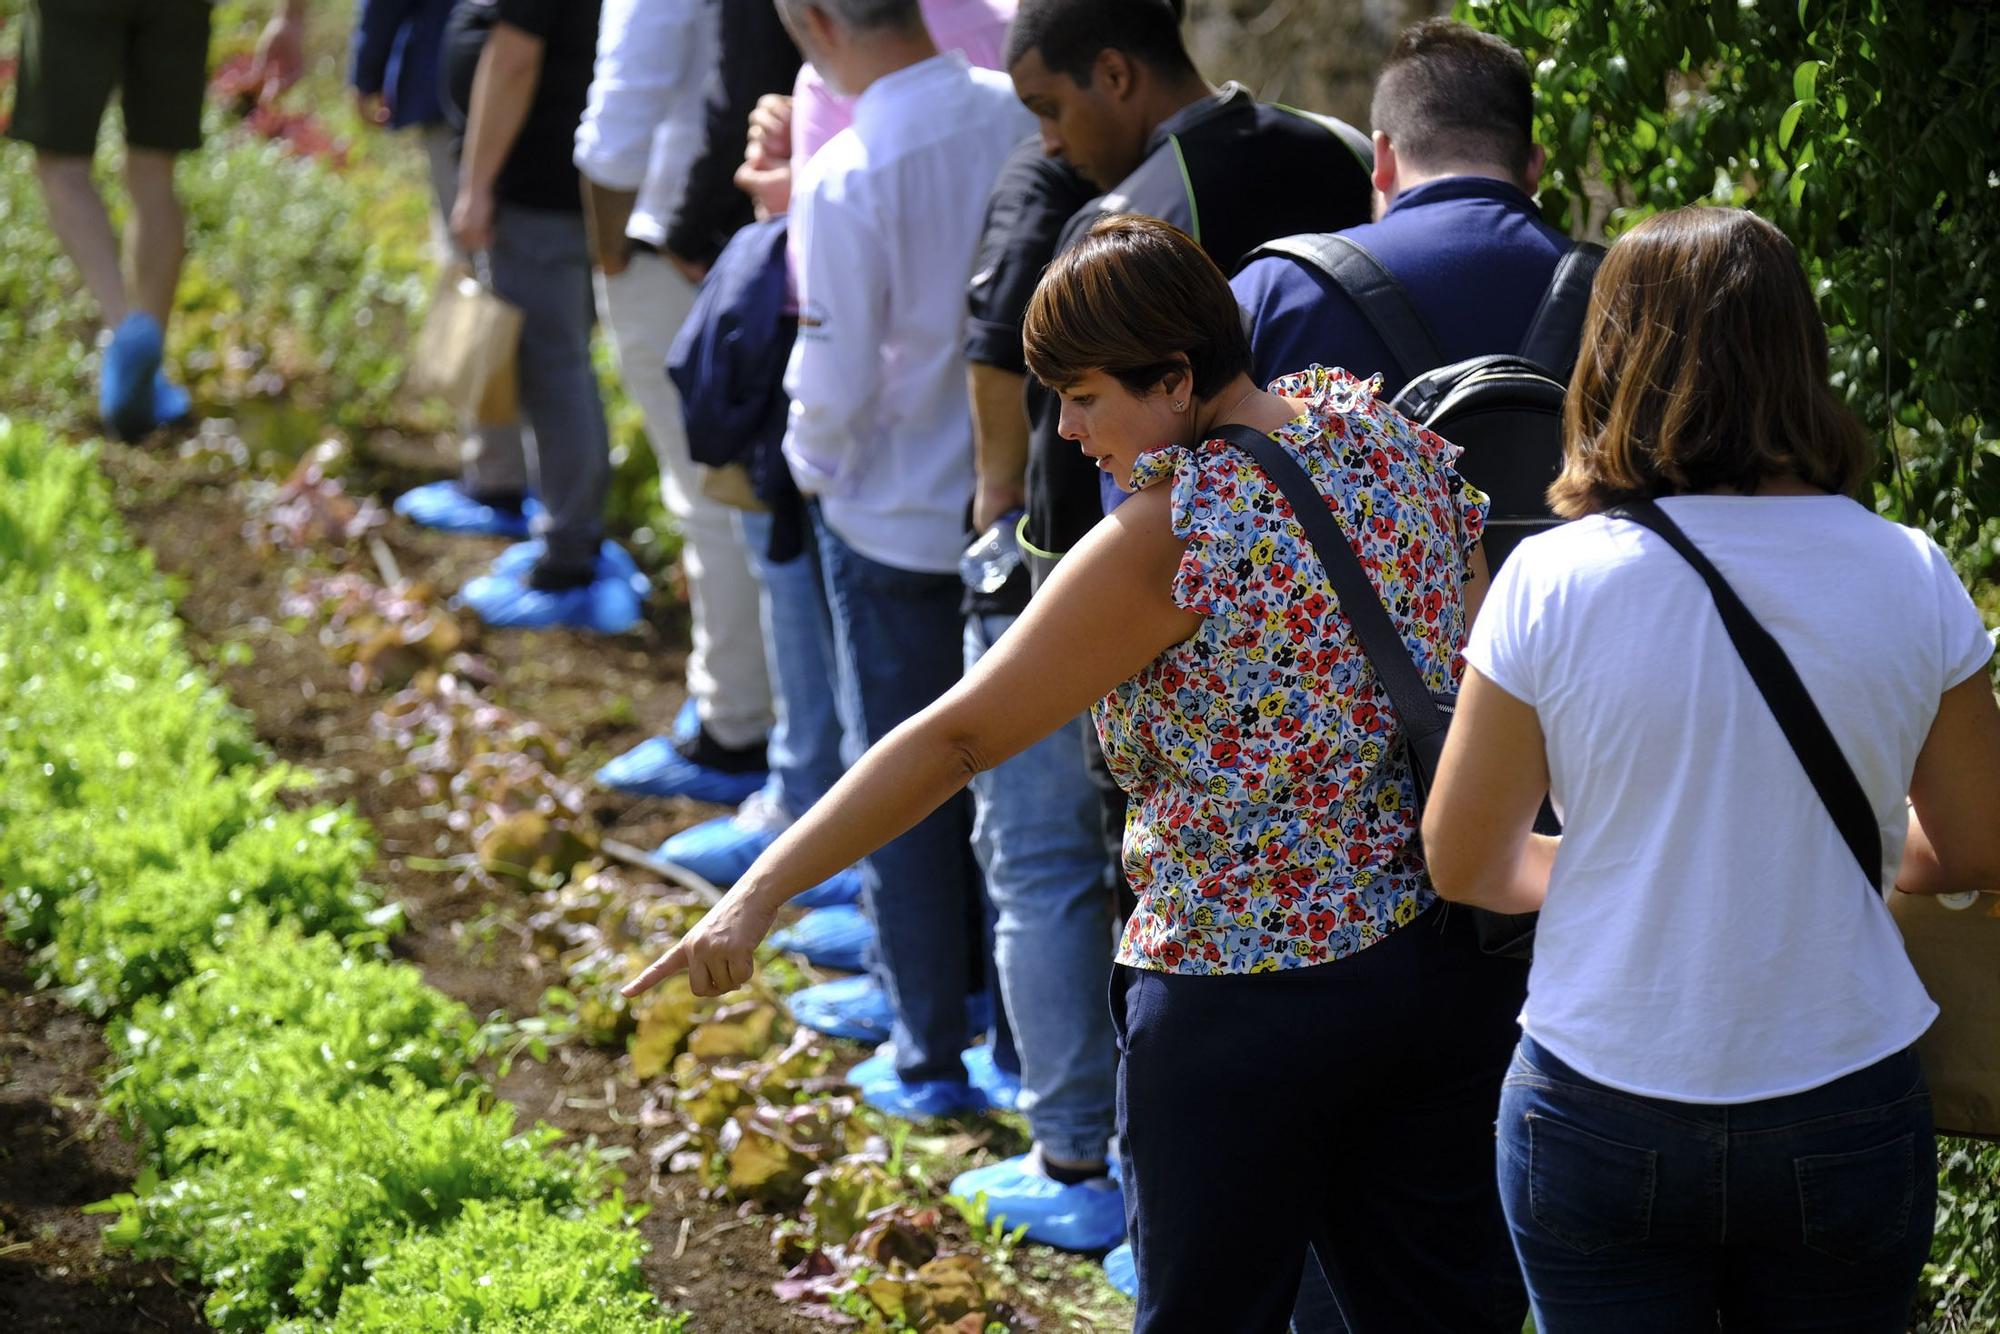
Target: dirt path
58, 1154
602, 694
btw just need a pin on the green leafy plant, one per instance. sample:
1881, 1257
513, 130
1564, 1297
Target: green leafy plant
278, 1212
274, 1012
1863, 128
514, 1267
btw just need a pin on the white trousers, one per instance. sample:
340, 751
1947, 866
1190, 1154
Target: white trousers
644, 307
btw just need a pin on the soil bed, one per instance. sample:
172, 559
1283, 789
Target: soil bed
602, 695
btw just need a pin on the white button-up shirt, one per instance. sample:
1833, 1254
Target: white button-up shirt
889, 214
644, 124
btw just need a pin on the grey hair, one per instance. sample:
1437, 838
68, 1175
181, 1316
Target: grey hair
858, 15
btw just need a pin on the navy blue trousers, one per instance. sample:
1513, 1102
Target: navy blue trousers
1346, 1109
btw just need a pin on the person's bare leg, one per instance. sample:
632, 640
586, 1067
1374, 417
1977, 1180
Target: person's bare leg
77, 216
157, 236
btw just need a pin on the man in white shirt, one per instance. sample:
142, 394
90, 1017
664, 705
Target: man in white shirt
888, 216
641, 131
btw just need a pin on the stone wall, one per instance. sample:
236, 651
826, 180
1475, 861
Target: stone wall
1316, 54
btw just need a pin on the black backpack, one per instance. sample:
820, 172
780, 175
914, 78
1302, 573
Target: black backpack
1504, 410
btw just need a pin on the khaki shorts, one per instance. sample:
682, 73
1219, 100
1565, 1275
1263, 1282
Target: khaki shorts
74, 53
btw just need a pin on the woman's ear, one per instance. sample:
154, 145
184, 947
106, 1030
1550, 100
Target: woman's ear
1178, 386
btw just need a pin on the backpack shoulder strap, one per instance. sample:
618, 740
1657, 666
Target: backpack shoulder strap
1557, 326
1416, 707
1383, 301
1778, 682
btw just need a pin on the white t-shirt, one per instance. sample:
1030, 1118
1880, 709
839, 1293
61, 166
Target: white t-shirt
1707, 937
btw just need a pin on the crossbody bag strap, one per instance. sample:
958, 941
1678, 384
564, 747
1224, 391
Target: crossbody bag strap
1415, 707
1778, 682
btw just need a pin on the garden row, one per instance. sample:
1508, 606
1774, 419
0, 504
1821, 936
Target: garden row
321, 1152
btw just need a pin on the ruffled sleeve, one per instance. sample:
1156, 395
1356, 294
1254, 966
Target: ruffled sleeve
1220, 510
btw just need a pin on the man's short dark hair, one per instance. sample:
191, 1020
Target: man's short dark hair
1450, 95
1071, 34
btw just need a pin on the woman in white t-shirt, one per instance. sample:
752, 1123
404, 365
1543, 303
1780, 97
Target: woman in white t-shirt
1714, 1108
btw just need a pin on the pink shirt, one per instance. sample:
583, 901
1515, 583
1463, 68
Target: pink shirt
975, 28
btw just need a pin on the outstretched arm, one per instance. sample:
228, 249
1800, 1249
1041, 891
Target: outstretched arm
1108, 611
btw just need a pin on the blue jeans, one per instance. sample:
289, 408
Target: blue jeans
1035, 833
804, 749
1807, 1212
896, 643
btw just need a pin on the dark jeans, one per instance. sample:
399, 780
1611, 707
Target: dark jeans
1807, 1212
1346, 1108
898, 645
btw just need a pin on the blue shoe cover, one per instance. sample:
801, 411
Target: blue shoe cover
924, 1100
830, 938
606, 606
131, 361
1089, 1216
653, 768
719, 851
875, 1068
613, 561
688, 721
849, 1007
1121, 1270
447, 507
838, 888
1001, 1087
171, 404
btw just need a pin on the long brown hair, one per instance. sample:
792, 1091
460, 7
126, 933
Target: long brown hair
1703, 367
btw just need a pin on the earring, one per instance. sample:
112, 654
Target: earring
1179, 407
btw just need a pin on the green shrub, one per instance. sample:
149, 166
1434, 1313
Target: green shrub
1865, 129
275, 1012
510, 1269
277, 1213
1962, 1280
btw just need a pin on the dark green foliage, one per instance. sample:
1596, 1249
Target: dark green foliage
1867, 130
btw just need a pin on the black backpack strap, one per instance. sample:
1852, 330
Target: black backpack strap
1778, 681
1415, 706
1383, 302
1557, 327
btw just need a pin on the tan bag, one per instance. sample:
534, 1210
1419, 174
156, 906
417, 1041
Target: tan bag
465, 353
730, 485
1957, 954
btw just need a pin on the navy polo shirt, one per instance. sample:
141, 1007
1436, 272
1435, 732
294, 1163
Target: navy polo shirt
1472, 252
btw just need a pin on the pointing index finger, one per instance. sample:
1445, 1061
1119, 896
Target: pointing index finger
658, 971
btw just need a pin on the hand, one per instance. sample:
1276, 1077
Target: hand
769, 188
472, 219
281, 55
990, 502
372, 109
719, 954
770, 140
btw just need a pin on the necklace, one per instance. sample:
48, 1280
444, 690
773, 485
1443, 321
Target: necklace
1227, 412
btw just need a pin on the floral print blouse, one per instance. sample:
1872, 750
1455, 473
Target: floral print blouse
1273, 822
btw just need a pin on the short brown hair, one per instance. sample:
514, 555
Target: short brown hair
1703, 367
1452, 96
1130, 299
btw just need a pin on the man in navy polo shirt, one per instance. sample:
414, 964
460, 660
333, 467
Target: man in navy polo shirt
1455, 165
